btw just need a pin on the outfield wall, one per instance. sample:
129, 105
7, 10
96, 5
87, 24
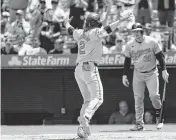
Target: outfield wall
36, 91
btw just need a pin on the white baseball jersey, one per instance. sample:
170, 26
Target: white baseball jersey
89, 44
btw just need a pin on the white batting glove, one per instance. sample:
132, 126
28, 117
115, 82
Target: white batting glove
165, 75
125, 81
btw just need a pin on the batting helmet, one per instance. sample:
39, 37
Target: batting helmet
93, 20
137, 27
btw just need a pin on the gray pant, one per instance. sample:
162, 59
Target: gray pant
91, 88
140, 81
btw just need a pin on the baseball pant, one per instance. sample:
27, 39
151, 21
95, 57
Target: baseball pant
89, 82
140, 81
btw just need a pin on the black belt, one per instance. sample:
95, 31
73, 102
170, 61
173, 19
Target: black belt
149, 70
88, 63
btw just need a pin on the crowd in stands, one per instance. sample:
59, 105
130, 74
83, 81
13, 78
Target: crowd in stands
36, 27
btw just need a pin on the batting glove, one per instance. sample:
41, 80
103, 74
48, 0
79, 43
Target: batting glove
125, 81
165, 75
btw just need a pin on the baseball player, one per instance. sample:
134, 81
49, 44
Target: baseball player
86, 71
144, 51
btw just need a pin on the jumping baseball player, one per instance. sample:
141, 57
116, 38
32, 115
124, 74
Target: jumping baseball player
86, 71
144, 51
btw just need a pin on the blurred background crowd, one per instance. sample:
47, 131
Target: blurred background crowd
36, 27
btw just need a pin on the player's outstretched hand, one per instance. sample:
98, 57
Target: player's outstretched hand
165, 75
126, 16
125, 81
68, 20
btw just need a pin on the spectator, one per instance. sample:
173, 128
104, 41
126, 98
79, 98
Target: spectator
5, 22
148, 29
77, 10
51, 32
58, 13
36, 50
58, 47
5, 5
32, 47
166, 14
148, 117
143, 11
36, 14
19, 44
166, 43
20, 26
8, 47
92, 5
26, 46
122, 116
119, 47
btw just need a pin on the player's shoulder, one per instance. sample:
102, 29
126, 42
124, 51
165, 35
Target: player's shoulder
77, 33
94, 30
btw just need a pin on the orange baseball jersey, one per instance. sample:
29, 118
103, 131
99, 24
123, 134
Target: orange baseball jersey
89, 44
143, 54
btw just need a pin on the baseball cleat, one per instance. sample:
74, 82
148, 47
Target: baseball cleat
83, 121
138, 127
159, 124
84, 128
83, 131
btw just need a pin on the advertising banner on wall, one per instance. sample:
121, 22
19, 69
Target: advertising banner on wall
59, 61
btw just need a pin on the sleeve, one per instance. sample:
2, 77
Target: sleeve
126, 51
156, 47
98, 33
76, 34
127, 64
160, 57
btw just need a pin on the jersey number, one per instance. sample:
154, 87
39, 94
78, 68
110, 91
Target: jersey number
81, 47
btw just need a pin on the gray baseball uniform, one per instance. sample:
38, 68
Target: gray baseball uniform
145, 73
86, 72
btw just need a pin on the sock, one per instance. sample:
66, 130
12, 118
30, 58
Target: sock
158, 113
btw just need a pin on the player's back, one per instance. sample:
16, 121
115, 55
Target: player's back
89, 45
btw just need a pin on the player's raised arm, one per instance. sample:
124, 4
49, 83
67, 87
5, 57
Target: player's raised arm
69, 28
113, 26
